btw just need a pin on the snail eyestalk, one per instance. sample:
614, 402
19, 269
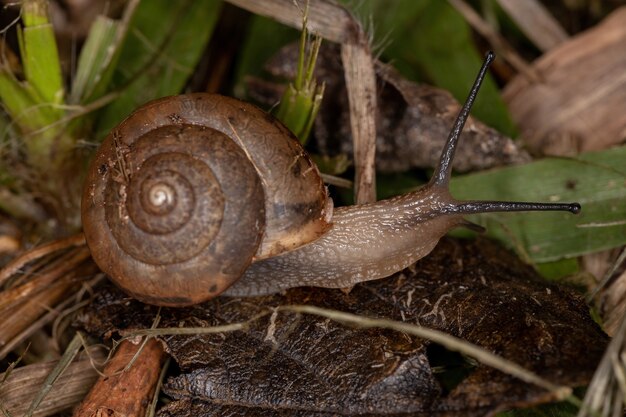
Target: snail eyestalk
443, 172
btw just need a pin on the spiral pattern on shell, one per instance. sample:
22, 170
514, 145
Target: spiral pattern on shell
176, 204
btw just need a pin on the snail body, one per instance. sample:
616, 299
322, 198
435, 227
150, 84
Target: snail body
196, 195
366, 242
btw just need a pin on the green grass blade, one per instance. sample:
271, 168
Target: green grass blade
298, 109
40, 57
164, 43
104, 45
65, 361
301, 101
35, 104
95, 57
21, 104
596, 180
6, 135
34, 119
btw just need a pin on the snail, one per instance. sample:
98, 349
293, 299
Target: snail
197, 195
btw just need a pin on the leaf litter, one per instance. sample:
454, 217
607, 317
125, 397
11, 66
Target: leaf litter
295, 364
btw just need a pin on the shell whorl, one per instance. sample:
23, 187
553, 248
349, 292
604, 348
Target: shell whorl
177, 204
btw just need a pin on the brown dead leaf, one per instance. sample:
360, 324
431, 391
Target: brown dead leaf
579, 106
413, 120
288, 364
416, 123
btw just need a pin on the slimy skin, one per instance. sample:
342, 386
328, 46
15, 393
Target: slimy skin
364, 243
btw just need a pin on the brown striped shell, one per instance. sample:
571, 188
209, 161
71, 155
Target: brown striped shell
187, 191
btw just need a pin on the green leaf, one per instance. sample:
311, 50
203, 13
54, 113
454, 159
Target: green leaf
96, 56
558, 269
597, 180
35, 121
302, 98
40, 57
19, 102
389, 185
164, 43
298, 109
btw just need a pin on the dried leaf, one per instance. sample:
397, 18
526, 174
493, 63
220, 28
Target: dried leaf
417, 119
578, 106
286, 364
413, 119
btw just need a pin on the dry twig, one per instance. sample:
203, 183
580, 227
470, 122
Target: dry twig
125, 392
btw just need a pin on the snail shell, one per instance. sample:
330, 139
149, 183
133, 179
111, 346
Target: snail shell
187, 191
